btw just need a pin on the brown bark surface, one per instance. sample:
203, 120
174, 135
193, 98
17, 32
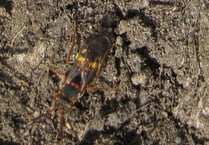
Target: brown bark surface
155, 78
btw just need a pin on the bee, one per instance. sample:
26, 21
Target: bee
86, 68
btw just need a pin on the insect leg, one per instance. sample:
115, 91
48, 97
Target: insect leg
62, 122
72, 41
94, 89
44, 114
99, 69
57, 72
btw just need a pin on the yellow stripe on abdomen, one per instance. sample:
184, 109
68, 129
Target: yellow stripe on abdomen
82, 60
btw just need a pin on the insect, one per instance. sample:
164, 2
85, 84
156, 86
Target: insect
85, 70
